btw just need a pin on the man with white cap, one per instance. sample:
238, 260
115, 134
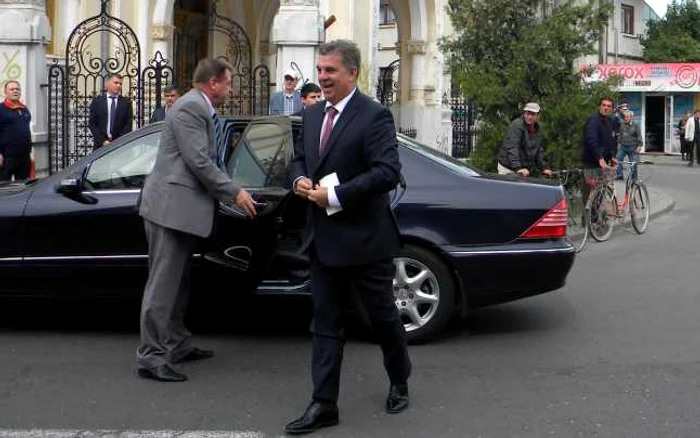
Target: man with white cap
522, 148
287, 101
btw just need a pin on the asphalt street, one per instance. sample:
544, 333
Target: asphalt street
613, 354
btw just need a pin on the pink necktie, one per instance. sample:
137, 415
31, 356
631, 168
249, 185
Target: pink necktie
327, 128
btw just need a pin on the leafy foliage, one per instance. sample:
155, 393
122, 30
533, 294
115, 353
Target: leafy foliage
676, 36
507, 53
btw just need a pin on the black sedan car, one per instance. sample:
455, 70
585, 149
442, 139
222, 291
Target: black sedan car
469, 238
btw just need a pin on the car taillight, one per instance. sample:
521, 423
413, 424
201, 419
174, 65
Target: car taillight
551, 225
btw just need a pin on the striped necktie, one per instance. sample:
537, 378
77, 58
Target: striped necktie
220, 142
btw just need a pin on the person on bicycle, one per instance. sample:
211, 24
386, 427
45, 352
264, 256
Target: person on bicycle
599, 144
630, 142
521, 151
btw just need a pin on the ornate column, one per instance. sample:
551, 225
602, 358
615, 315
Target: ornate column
297, 32
416, 50
162, 36
24, 34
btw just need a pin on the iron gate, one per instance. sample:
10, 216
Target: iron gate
103, 45
98, 47
388, 91
250, 87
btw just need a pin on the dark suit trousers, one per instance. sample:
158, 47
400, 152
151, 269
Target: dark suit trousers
164, 337
17, 166
331, 291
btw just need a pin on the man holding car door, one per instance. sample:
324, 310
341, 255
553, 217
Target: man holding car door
178, 206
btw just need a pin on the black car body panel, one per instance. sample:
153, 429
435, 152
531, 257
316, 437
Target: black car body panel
92, 240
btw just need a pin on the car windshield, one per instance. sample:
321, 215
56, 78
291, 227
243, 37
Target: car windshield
437, 156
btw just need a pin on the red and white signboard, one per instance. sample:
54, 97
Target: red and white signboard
675, 77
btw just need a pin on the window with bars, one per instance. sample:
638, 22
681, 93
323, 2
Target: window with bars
628, 19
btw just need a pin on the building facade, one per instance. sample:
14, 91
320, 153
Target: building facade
62, 50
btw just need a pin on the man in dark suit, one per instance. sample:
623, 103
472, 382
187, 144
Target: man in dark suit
111, 115
178, 203
351, 234
171, 94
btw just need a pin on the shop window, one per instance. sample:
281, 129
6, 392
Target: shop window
628, 19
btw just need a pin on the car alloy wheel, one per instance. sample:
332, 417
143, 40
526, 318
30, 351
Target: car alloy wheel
423, 293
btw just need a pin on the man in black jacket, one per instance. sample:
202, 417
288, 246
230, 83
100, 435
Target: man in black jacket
345, 163
171, 93
111, 115
521, 151
15, 136
599, 144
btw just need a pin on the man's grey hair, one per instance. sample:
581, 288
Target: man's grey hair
209, 68
348, 51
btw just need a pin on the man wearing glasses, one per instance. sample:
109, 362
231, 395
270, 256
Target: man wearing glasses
599, 144
287, 101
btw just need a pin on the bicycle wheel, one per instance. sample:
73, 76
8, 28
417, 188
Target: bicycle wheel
639, 207
577, 224
602, 214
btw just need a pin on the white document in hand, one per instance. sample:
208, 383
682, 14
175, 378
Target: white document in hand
330, 180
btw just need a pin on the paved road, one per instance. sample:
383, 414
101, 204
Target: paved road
615, 353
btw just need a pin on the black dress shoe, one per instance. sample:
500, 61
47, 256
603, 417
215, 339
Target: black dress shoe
195, 354
162, 373
317, 415
397, 400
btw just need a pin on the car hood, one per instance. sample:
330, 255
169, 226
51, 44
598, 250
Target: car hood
11, 187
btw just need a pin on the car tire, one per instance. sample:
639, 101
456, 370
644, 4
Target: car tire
424, 292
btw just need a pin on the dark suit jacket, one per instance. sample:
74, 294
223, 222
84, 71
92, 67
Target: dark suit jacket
158, 114
362, 150
98, 119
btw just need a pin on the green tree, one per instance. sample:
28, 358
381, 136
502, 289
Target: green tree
676, 36
506, 53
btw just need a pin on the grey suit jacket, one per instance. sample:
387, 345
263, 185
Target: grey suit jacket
181, 190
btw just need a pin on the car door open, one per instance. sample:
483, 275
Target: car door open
257, 162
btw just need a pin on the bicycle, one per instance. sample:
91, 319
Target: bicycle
604, 209
577, 222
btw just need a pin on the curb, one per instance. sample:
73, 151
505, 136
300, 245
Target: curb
670, 205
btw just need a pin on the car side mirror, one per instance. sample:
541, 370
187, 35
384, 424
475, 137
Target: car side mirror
69, 186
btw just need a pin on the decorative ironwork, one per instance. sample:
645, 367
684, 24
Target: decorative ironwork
98, 47
408, 131
248, 86
154, 79
388, 91
57, 112
464, 130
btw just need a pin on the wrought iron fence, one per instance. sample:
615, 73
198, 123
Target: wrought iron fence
408, 131
465, 131
103, 45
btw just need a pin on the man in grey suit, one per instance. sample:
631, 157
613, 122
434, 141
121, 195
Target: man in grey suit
178, 206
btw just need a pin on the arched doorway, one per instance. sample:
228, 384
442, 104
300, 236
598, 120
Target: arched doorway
201, 31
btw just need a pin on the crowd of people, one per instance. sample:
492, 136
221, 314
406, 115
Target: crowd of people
609, 137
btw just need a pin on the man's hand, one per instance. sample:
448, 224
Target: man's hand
302, 187
318, 195
2, 160
524, 172
602, 163
547, 172
245, 202
614, 162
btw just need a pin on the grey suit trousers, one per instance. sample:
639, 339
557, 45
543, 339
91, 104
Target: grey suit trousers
164, 337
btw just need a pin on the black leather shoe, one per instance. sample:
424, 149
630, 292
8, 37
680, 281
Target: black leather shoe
397, 400
317, 415
162, 373
196, 354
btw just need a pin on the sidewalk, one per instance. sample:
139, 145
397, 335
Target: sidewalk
661, 202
